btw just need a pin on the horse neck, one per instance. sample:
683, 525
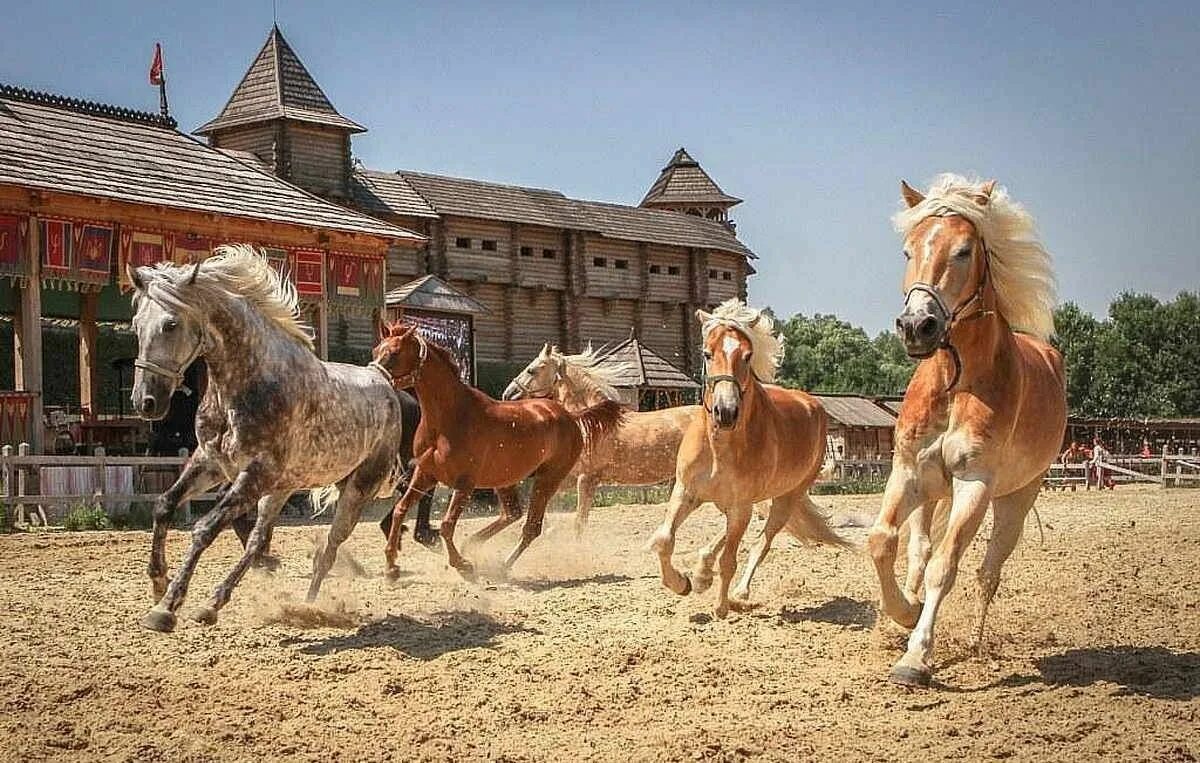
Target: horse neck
244, 344
440, 389
980, 339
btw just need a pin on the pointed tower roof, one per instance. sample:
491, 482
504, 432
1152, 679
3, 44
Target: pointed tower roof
278, 86
684, 181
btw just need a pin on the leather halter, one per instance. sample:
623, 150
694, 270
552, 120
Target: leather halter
951, 317
410, 379
711, 382
176, 374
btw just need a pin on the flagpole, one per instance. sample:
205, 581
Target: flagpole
162, 98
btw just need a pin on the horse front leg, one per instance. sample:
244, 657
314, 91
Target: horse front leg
256, 542
969, 504
1008, 520
197, 476
457, 501
737, 519
422, 482
247, 488
585, 495
682, 504
701, 576
900, 497
919, 548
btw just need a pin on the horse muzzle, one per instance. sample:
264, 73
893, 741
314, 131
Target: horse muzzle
725, 414
512, 392
920, 332
151, 396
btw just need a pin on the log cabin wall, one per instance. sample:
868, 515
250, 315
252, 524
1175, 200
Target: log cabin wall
540, 257
666, 273
491, 333
477, 250
318, 159
537, 318
605, 321
258, 139
611, 267
664, 329
725, 277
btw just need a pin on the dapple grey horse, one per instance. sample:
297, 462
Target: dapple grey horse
274, 419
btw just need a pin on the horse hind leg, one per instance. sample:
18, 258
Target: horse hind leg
349, 506
585, 489
920, 546
256, 541
545, 485
1008, 521
510, 511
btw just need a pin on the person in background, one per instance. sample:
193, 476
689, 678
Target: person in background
1146, 452
1074, 454
1100, 455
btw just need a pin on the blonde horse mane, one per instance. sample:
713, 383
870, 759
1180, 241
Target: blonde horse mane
588, 374
1021, 270
759, 328
234, 272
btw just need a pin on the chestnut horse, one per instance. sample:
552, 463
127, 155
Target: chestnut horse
985, 411
641, 452
467, 440
749, 442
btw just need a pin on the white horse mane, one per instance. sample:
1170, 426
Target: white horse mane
1021, 270
587, 370
759, 328
234, 272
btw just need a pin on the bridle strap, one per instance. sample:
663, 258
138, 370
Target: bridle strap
711, 382
175, 375
410, 379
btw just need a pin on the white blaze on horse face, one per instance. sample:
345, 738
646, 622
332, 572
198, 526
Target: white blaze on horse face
921, 301
728, 345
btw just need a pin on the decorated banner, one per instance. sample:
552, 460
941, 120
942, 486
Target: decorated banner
345, 275
93, 253
55, 246
140, 248
189, 248
13, 232
355, 282
308, 269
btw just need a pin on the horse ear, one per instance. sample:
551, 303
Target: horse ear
195, 272
136, 277
985, 193
545, 353
703, 317
912, 197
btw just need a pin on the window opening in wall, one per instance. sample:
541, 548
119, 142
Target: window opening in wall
599, 262
656, 268
527, 251
549, 254
672, 270
488, 245
726, 275
462, 243
621, 264
712, 274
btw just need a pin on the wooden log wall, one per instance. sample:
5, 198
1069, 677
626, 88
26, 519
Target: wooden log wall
317, 159
611, 267
725, 278
491, 338
540, 257
478, 250
605, 321
258, 139
666, 273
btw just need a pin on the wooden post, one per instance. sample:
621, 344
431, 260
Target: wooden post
1179, 469
88, 354
1163, 469
22, 450
7, 476
323, 329
27, 338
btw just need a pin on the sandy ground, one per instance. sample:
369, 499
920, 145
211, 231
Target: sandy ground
1093, 650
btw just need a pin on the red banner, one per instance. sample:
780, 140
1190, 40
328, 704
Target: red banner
56, 242
190, 248
309, 272
346, 274
93, 252
12, 241
137, 249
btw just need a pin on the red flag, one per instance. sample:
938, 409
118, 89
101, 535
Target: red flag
156, 66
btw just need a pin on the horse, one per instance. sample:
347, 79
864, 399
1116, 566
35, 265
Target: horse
750, 441
274, 418
985, 411
641, 452
467, 440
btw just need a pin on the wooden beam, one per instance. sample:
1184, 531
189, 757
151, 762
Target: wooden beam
89, 354
27, 338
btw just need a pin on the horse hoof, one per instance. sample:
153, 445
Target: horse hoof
722, 611
739, 604
903, 675
159, 619
701, 582
467, 570
267, 562
687, 585
203, 615
392, 573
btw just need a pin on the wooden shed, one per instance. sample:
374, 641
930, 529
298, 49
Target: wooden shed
859, 428
443, 315
647, 382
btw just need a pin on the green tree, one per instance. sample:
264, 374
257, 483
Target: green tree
826, 354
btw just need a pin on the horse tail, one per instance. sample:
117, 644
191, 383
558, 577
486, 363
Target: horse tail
809, 524
323, 498
598, 422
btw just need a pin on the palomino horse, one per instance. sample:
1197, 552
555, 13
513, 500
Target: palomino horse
467, 440
985, 411
641, 452
750, 442
274, 418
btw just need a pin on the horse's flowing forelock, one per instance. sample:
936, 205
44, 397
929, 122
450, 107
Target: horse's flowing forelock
759, 328
234, 272
585, 370
1021, 270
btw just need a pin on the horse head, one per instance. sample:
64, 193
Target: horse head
169, 337
728, 373
401, 353
538, 379
945, 274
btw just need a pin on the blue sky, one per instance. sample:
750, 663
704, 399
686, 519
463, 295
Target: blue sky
1087, 112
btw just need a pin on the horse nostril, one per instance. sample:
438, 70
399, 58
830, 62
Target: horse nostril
927, 327
148, 404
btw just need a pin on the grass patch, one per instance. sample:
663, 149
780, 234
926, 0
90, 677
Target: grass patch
862, 486
85, 517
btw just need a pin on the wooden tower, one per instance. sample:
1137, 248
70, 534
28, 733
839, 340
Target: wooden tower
684, 186
279, 114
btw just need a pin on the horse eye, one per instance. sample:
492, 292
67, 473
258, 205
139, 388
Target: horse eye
707, 355
169, 326
906, 255
963, 253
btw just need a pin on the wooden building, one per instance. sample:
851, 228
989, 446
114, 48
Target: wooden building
645, 380
86, 188
442, 314
859, 427
546, 267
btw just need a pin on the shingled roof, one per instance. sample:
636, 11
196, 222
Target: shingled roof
278, 86
432, 293
424, 195
684, 181
639, 366
855, 411
71, 146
